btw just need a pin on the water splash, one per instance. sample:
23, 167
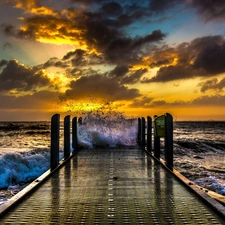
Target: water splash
105, 126
106, 129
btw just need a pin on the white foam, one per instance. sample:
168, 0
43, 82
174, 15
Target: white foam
17, 168
107, 132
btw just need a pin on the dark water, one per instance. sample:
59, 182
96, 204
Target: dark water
199, 149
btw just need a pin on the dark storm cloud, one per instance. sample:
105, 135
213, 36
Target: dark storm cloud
81, 58
124, 49
159, 6
78, 53
202, 57
17, 76
100, 29
203, 42
78, 57
55, 62
114, 44
112, 9
88, 2
99, 86
211, 59
210, 9
133, 77
212, 84
126, 76
119, 71
169, 73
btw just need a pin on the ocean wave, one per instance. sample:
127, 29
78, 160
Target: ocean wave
20, 168
12, 126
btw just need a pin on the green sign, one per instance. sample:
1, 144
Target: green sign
160, 126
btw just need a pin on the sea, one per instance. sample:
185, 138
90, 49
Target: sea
199, 149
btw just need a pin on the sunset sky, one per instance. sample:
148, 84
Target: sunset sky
140, 57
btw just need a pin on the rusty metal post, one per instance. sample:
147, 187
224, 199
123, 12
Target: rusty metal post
139, 131
74, 133
66, 137
55, 125
169, 141
143, 132
149, 134
156, 145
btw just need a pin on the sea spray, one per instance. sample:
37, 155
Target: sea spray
106, 128
107, 132
104, 125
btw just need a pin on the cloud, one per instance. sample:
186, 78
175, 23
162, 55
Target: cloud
81, 57
210, 10
170, 73
99, 31
212, 84
202, 57
133, 77
112, 9
19, 77
160, 6
214, 100
206, 100
84, 3
160, 63
119, 71
211, 59
100, 87
123, 49
33, 7
143, 102
55, 62
42, 100
126, 76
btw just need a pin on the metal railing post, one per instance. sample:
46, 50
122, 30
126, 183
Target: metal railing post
139, 131
74, 133
66, 137
55, 125
169, 141
149, 134
143, 132
156, 145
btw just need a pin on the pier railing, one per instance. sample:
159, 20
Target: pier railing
150, 132
148, 137
55, 129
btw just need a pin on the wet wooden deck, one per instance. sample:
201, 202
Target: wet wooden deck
112, 186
